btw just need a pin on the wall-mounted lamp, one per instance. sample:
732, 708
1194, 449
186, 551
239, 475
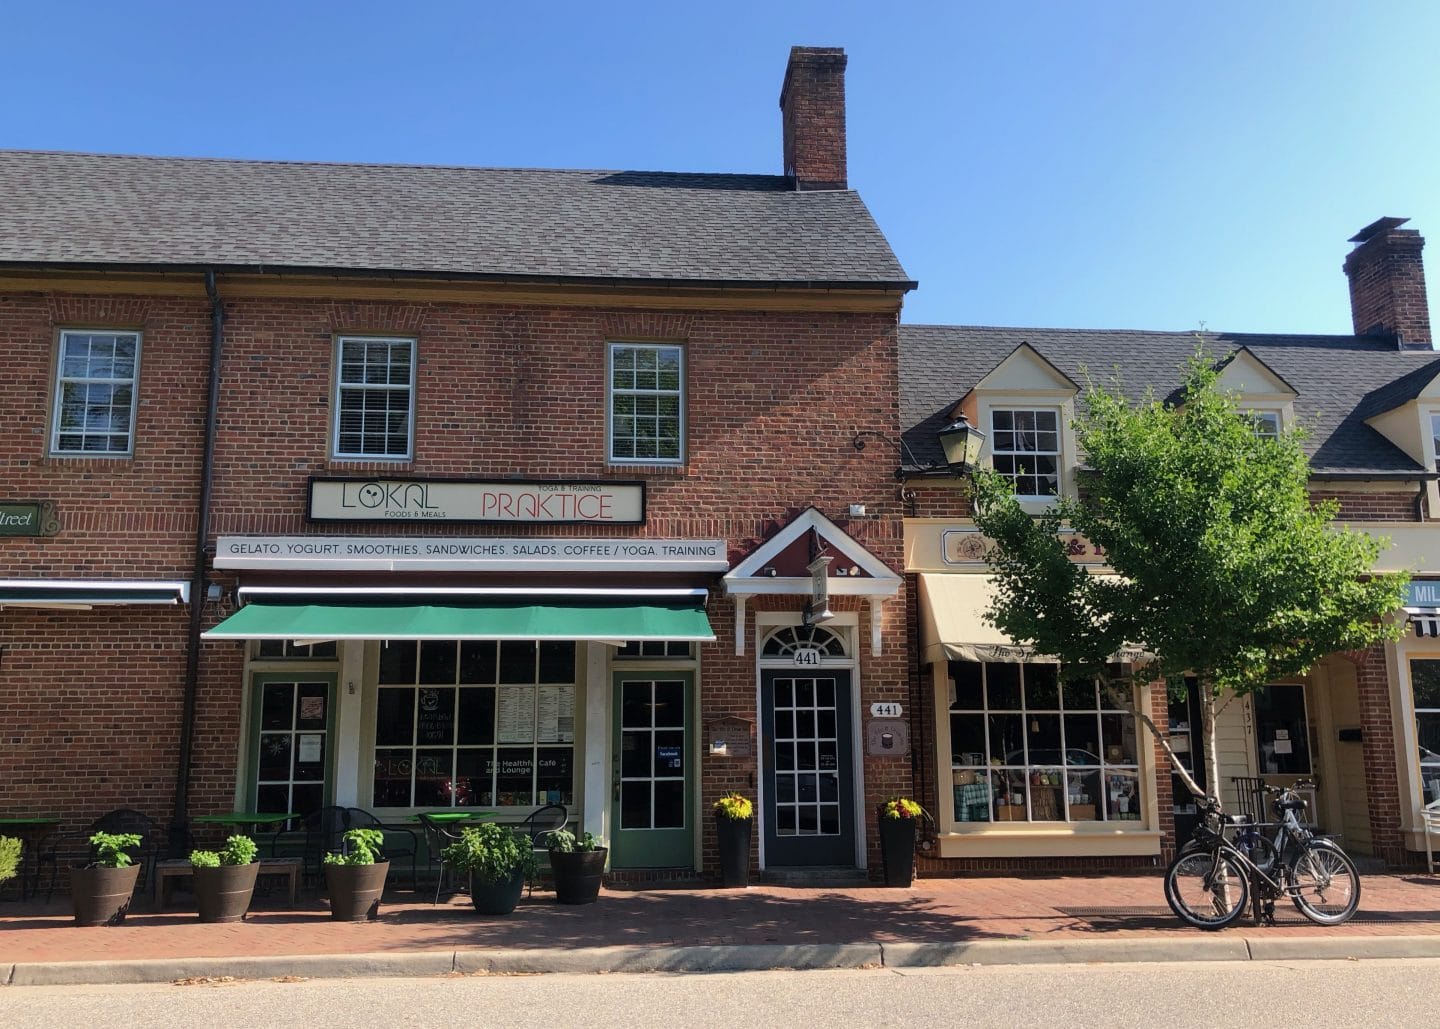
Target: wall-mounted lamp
769, 571
214, 591
959, 441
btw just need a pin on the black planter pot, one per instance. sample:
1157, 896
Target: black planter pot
354, 890
102, 895
497, 898
223, 894
897, 845
578, 874
734, 838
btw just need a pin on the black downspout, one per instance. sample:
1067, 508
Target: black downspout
180, 821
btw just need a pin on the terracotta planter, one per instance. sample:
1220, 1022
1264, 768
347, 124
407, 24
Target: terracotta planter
102, 895
578, 875
498, 898
354, 890
897, 846
223, 894
734, 838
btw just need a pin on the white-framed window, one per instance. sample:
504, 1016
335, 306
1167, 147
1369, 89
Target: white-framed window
1425, 691
474, 723
1266, 423
374, 397
1025, 448
1028, 747
646, 404
288, 650
1435, 438
95, 394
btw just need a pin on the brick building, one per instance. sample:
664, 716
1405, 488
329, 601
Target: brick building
1025, 772
411, 488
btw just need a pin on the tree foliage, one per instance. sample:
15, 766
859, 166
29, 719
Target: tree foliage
1224, 568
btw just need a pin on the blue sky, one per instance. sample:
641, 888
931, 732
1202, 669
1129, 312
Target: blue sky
1103, 164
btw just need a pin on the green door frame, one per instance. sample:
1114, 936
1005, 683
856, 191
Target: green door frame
258, 682
653, 848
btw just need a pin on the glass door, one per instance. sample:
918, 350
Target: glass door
809, 786
653, 816
292, 720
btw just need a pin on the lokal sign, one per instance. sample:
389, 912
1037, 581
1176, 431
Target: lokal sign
477, 500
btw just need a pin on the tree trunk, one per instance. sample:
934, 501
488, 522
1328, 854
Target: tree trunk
1211, 748
1160, 737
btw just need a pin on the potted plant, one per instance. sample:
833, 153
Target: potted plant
101, 890
578, 864
355, 877
734, 823
898, 818
499, 862
225, 879
9, 858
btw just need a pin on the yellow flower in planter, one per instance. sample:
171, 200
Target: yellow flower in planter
901, 807
735, 806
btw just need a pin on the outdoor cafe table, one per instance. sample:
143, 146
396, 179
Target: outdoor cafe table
251, 820
33, 830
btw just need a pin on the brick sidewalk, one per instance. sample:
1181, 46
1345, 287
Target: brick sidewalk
935, 910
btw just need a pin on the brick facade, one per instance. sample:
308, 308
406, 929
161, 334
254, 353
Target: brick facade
773, 400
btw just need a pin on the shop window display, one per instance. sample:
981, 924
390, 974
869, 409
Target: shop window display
1027, 747
474, 723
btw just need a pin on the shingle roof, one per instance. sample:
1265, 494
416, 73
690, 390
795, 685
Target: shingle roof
1340, 380
501, 223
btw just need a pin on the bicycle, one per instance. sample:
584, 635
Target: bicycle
1211, 880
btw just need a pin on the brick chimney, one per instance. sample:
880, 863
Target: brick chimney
812, 108
1387, 284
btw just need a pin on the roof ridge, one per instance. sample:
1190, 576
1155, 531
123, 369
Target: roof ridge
1381, 343
290, 162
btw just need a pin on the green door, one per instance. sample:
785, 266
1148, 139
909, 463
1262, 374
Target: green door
292, 722
653, 805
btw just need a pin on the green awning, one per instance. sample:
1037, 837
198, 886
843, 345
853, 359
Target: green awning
480, 618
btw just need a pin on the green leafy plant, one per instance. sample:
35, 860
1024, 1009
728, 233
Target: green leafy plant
492, 853
563, 841
735, 806
238, 850
361, 847
902, 807
111, 849
9, 858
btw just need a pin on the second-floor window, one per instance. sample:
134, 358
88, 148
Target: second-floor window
1267, 423
374, 397
1025, 448
1435, 438
95, 393
647, 404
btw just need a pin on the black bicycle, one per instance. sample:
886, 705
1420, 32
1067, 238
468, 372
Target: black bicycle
1212, 880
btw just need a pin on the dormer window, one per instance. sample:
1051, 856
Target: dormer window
1266, 423
1025, 448
1435, 438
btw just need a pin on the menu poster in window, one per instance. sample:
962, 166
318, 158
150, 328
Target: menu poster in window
311, 747
556, 706
312, 709
515, 715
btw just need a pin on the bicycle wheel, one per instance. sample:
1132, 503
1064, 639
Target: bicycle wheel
1326, 884
1206, 889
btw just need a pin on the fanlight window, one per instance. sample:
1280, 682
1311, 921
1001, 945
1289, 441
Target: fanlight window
785, 641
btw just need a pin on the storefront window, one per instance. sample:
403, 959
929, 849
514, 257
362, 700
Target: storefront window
1425, 685
1282, 731
474, 723
1026, 747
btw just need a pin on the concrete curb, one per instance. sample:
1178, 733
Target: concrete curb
1059, 952
730, 958
164, 970
735, 958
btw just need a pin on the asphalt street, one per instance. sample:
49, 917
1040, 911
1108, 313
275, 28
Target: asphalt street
1330, 993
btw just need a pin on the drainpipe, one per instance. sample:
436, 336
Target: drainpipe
180, 820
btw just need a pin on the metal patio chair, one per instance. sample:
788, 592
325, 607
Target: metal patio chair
399, 841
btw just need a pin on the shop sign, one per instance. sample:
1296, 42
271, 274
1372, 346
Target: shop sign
36, 518
470, 554
477, 501
971, 547
1423, 593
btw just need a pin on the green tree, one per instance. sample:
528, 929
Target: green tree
1224, 570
